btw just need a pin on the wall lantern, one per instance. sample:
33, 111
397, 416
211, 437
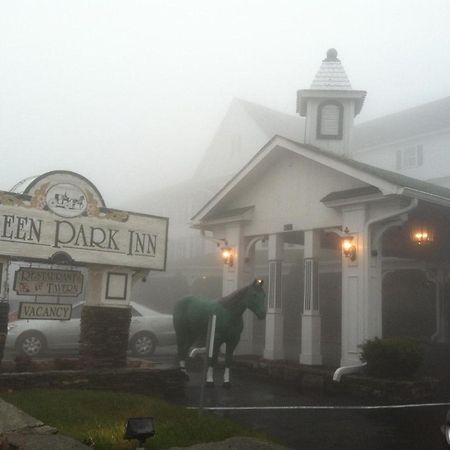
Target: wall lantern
227, 256
422, 234
349, 248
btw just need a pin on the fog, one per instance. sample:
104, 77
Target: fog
129, 93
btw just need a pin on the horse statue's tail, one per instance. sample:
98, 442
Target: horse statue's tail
179, 314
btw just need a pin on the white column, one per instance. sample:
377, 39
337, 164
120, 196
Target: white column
245, 346
443, 300
439, 277
274, 318
311, 318
236, 276
373, 325
361, 288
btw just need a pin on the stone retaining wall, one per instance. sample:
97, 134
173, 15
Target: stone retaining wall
163, 382
315, 378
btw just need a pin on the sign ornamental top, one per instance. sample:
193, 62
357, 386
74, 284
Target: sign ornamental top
63, 212
66, 200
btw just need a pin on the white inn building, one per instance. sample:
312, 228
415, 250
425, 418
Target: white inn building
285, 192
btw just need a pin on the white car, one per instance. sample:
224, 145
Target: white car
148, 329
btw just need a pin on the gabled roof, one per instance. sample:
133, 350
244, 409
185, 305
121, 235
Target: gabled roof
275, 122
388, 183
412, 184
404, 124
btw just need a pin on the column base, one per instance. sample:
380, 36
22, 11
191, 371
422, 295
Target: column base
272, 355
311, 360
274, 336
311, 353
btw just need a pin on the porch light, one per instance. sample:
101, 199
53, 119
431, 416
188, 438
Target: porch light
349, 248
227, 256
422, 235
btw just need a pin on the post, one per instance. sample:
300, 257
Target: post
210, 335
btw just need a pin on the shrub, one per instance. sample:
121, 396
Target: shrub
392, 357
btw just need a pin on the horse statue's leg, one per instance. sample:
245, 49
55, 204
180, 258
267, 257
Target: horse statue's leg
183, 345
184, 339
212, 362
230, 346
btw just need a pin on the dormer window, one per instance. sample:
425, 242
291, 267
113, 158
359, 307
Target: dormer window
410, 157
330, 120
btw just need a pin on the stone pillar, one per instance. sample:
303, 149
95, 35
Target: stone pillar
105, 318
104, 336
311, 318
274, 318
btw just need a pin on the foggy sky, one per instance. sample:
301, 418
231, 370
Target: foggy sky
129, 93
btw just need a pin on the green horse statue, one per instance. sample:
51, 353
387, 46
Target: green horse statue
192, 314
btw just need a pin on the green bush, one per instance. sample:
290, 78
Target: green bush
392, 357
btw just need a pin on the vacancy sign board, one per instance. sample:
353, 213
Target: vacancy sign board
64, 213
48, 282
44, 311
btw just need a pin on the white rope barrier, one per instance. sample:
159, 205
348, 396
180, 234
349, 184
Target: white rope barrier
316, 407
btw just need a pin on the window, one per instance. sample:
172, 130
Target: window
329, 120
410, 157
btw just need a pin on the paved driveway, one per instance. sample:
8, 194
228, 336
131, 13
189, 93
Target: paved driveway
311, 429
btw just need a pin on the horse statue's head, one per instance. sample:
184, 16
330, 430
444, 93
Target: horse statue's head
256, 299
252, 297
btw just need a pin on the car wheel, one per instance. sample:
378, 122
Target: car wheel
31, 344
143, 344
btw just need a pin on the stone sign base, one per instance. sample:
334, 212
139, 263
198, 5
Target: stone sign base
104, 337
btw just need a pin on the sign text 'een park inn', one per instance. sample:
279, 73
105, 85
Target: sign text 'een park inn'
64, 212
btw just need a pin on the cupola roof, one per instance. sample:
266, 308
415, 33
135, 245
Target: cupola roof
331, 74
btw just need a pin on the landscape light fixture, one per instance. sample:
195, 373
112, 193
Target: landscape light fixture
227, 256
349, 248
140, 428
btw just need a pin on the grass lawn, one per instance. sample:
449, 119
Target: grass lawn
98, 418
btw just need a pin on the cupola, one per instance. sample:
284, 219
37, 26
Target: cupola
330, 106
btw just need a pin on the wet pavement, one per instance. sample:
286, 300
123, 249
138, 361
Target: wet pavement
311, 429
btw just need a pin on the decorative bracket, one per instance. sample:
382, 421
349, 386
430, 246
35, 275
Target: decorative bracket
251, 244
